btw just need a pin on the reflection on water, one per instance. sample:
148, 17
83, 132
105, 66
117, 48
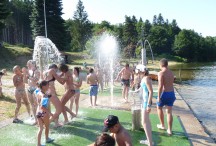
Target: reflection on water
198, 88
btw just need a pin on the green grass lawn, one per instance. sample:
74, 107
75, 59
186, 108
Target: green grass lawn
84, 129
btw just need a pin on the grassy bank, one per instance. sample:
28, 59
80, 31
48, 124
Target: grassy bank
11, 55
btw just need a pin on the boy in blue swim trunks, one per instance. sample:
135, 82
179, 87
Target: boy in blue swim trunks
166, 95
93, 81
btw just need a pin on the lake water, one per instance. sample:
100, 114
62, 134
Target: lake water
198, 88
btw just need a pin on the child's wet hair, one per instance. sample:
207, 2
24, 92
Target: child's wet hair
42, 83
53, 66
63, 67
77, 69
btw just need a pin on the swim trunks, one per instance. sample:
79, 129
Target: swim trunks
167, 98
125, 82
93, 90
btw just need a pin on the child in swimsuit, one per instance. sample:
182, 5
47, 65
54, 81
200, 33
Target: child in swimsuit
43, 113
77, 84
20, 93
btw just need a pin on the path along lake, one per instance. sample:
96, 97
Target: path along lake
198, 89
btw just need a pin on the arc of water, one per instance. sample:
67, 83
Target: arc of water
146, 41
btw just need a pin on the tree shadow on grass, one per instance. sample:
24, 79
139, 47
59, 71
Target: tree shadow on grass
7, 98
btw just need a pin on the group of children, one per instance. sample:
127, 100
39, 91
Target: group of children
41, 92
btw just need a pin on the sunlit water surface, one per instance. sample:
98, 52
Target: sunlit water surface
198, 88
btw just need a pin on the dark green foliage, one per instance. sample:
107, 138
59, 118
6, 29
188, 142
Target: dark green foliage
81, 28
190, 45
186, 44
158, 39
56, 29
130, 34
4, 13
18, 30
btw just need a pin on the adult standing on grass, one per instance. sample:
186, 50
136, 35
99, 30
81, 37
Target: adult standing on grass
20, 93
166, 95
126, 74
92, 79
33, 76
146, 86
77, 84
43, 112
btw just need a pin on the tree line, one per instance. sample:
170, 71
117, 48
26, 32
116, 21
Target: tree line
22, 20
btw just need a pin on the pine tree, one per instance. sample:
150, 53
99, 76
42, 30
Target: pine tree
4, 13
81, 29
130, 32
56, 30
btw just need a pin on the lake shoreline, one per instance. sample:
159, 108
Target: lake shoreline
206, 130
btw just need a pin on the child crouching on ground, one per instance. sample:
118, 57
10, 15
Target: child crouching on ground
43, 113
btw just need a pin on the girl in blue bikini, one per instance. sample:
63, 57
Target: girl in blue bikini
43, 113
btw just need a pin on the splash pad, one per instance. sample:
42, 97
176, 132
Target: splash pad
46, 53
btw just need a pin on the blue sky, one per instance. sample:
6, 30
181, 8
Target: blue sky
199, 15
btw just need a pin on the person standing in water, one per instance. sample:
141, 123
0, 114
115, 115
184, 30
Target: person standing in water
126, 74
77, 84
166, 95
92, 79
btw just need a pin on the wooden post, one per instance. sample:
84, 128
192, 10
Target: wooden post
136, 115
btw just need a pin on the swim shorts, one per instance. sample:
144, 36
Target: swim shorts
93, 90
167, 98
125, 82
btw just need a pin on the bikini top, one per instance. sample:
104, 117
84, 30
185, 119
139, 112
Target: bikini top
53, 79
76, 79
45, 100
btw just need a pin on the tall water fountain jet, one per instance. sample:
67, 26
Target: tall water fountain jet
107, 50
46, 53
143, 43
